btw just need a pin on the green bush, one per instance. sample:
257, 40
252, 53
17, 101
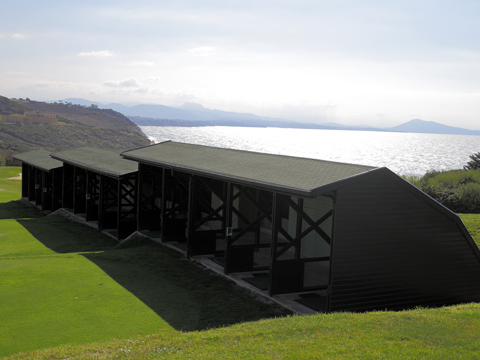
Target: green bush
470, 195
459, 190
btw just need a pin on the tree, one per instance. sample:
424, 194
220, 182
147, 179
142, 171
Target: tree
474, 164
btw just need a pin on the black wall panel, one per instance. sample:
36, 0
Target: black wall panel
393, 250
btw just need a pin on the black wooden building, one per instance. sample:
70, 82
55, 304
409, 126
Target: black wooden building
362, 235
41, 179
100, 186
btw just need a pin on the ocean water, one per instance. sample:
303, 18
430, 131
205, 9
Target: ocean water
403, 153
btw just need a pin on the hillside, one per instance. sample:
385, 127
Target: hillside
192, 114
102, 118
78, 126
431, 127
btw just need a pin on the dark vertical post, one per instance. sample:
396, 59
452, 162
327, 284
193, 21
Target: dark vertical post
136, 199
139, 186
192, 188
54, 190
119, 207
257, 214
88, 191
31, 183
298, 230
38, 187
25, 178
228, 225
101, 187
332, 245
163, 203
43, 185
75, 200
224, 211
47, 201
64, 181
275, 226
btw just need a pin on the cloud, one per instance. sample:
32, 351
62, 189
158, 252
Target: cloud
201, 51
18, 36
142, 63
142, 90
14, 36
97, 54
132, 82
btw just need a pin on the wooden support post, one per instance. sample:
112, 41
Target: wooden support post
101, 196
274, 242
119, 207
88, 190
25, 179
258, 212
164, 203
38, 187
141, 169
192, 188
228, 225
298, 229
74, 189
31, 183
42, 193
332, 246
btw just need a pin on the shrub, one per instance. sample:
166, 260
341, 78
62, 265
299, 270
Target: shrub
459, 190
470, 197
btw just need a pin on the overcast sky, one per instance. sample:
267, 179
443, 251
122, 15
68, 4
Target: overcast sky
354, 62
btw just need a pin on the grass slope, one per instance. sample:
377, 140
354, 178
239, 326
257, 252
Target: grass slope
51, 297
445, 333
64, 283
10, 188
472, 223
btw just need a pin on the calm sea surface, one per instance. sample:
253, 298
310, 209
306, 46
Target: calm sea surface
403, 153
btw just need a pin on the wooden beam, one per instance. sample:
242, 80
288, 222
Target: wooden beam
274, 242
192, 188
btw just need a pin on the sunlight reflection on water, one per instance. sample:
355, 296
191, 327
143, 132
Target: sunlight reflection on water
403, 153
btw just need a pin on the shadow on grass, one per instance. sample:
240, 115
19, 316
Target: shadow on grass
18, 210
65, 236
185, 295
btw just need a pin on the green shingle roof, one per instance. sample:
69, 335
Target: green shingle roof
97, 160
274, 172
40, 159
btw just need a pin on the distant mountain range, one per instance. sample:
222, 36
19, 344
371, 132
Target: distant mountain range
192, 114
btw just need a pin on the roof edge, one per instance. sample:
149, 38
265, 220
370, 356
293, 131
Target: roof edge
344, 182
91, 168
36, 165
243, 181
143, 147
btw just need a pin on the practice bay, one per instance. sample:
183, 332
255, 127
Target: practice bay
403, 153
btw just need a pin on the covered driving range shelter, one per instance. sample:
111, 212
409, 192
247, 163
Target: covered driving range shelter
101, 186
41, 179
361, 236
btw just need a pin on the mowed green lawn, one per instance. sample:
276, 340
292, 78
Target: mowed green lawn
49, 298
66, 283
10, 189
